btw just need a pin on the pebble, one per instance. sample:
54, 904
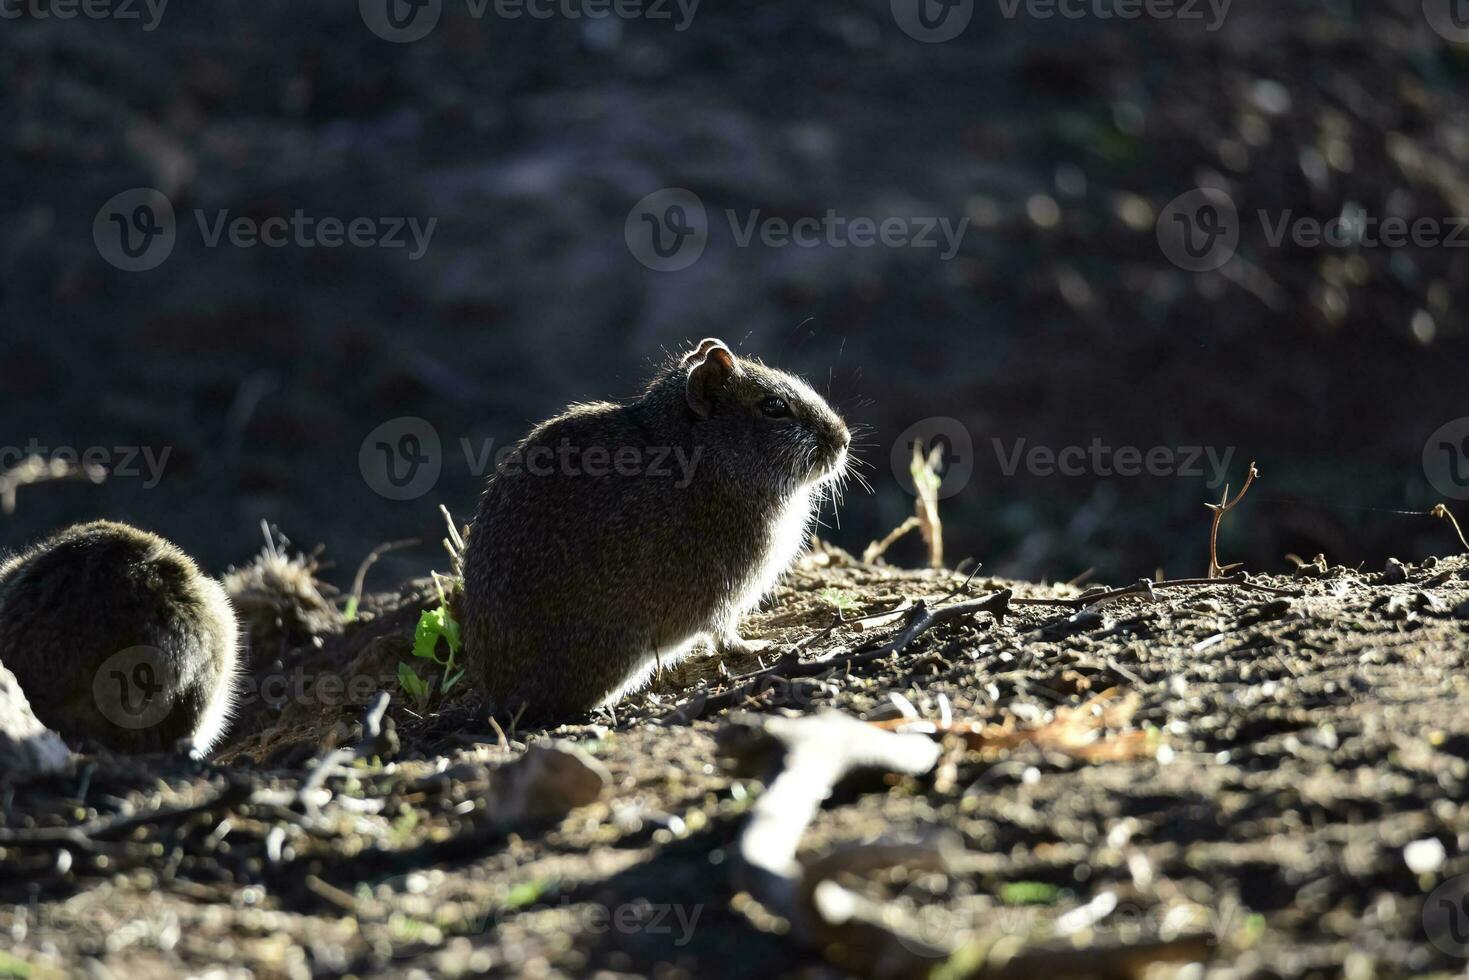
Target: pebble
1399, 609
1396, 573
1426, 856
1428, 602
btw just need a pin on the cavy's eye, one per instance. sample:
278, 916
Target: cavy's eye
775, 408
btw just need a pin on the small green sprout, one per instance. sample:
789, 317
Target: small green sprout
1028, 893
434, 625
838, 599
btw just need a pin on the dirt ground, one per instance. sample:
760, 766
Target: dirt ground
1273, 784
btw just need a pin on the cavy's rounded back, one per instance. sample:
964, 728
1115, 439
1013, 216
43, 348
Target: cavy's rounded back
116, 637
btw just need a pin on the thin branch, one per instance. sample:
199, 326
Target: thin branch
927, 481
839, 621
90, 835
378, 738
1442, 512
1147, 588
789, 665
877, 549
453, 544
34, 470
1224, 506
997, 605
360, 581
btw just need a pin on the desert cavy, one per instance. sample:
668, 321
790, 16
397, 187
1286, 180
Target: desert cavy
116, 637
617, 535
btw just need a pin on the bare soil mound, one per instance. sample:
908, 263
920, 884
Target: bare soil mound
1271, 776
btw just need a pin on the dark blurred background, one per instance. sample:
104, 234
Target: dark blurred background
1060, 319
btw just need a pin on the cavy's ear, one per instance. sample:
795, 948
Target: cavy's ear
704, 347
710, 367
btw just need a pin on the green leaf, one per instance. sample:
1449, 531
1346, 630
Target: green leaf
411, 683
527, 893
433, 625
838, 598
1028, 893
12, 967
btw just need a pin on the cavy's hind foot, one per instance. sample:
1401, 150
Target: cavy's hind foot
731, 644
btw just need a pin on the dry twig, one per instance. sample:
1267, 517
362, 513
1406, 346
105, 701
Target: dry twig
378, 738
877, 549
1224, 506
927, 481
1148, 589
95, 834
790, 666
358, 583
453, 544
1442, 513
1075, 732
35, 469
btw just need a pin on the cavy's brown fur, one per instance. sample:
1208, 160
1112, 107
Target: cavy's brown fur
116, 637
576, 583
